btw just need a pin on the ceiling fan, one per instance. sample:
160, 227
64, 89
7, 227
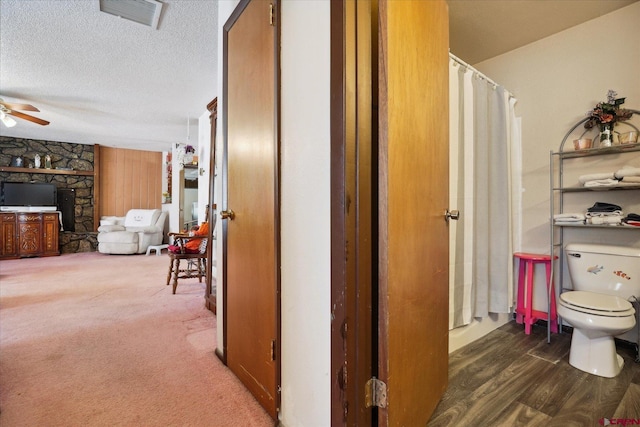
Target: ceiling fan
10, 109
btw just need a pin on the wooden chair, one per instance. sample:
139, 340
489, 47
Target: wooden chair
196, 262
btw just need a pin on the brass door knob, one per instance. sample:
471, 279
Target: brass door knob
228, 214
454, 214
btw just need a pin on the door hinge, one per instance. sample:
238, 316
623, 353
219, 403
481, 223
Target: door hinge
375, 393
273, 350
272, 17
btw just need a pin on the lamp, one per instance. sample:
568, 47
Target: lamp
8, 121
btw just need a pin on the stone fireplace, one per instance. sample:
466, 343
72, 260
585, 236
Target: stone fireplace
72, 167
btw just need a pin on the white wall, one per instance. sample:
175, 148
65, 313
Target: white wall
174, 207
305, 209
556, 81
204, 154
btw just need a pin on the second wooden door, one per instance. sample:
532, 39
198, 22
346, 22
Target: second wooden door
251, 227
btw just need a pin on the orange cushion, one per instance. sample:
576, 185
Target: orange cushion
194, 244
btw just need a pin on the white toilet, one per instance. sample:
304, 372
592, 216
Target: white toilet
604, 279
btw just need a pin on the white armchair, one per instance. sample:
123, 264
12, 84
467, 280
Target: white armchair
133, 233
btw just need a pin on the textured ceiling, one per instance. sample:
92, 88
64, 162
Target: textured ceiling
103, 80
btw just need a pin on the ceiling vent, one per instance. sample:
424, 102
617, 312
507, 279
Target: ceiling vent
146, 12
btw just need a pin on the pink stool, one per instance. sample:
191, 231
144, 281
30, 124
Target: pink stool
525, 312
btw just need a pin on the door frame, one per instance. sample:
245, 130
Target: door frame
209, 294
353, 209
359, 344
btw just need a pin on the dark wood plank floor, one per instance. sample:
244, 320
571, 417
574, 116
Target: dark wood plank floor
510, 379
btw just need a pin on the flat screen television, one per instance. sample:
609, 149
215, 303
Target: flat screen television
27, 194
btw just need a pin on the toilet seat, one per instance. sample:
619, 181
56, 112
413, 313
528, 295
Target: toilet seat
596, 304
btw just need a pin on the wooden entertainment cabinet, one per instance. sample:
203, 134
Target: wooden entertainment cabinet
29, 234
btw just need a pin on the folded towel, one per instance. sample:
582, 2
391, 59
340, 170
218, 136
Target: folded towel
631, 223
609, 220
631, 180
568, 221
569, 216
596, 176
604, 207
602, 183
627, 171
632, 217
603, 214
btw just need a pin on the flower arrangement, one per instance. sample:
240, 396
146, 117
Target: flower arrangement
607, 113
189, 149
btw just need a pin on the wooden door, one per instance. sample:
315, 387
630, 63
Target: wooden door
413, 198
251, 231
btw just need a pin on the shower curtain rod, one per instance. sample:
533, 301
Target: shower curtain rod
478, 73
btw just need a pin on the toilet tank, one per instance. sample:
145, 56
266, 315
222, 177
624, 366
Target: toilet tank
613, 270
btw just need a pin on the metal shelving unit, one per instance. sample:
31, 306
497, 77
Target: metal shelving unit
558, 190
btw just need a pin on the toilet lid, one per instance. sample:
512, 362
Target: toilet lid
595, 303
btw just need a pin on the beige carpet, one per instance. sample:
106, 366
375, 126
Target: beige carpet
99, 340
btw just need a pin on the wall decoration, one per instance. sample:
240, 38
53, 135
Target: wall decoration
17, 162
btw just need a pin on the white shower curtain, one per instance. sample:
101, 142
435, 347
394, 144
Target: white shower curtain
483, 133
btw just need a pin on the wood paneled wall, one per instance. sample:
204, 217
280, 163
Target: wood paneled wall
128, 179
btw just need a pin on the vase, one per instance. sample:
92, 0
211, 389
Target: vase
606, 134
188, 158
